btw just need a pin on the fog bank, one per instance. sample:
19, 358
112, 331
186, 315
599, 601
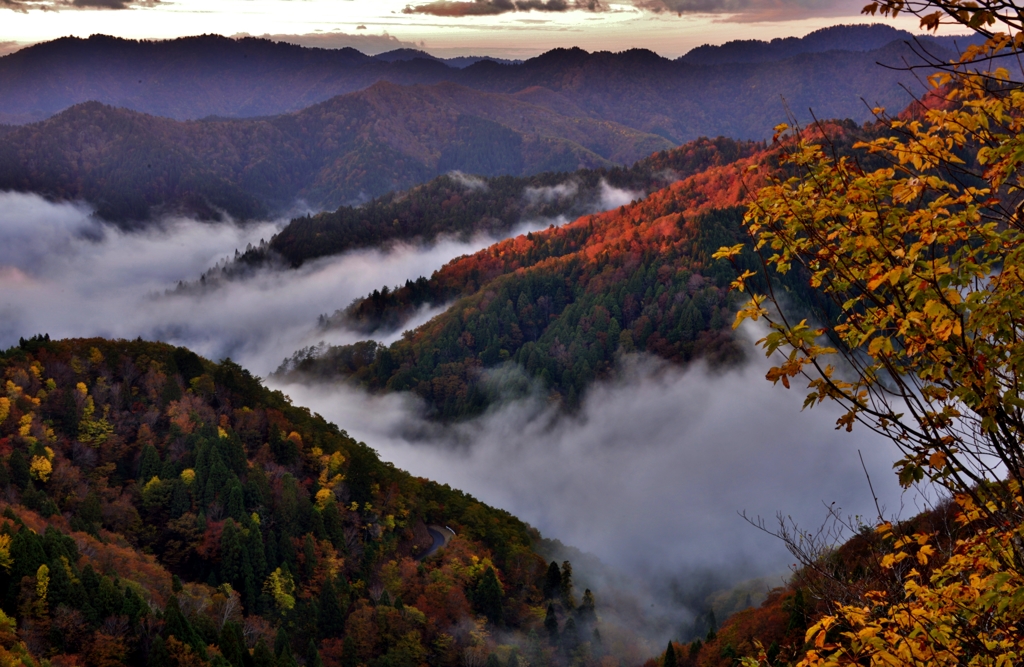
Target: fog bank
64, 273
651, 473
649, 476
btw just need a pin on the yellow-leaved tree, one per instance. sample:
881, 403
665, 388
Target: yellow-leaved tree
919, 264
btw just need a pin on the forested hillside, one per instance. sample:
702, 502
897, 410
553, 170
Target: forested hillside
159, 509
711, 93
455, 204
833, 38
559, 303
132, 166
562, 303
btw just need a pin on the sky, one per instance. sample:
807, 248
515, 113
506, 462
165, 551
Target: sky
446, 28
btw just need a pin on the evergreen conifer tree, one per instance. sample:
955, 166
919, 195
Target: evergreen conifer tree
587, 612
488, 597
232, 645
150, 464
19, 469
158, 656
349, 657
551, 623
313, 656
283, 649
231, 553
331, 620
566, 586
670, 656
261, 655
552, 581
236, 501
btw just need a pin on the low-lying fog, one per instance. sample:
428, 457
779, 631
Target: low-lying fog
649, 476
65, 274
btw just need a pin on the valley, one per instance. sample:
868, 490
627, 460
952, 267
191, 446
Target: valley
313, 358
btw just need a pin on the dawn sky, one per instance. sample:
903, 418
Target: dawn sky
504, 28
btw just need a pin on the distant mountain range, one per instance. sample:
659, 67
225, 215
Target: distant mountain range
131, 166
836, 38
399, 55
740, 90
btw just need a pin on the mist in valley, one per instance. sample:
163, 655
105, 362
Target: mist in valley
649, 476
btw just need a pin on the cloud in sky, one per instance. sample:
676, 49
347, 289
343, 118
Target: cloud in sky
458, 8
57, 5
739, 10
755, 10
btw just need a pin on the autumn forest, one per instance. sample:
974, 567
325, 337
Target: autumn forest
311, 357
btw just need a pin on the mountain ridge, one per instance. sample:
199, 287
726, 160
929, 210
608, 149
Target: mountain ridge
132, 166
161, 509
253, 77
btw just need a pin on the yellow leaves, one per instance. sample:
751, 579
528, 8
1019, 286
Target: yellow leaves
42, 583
41, 468
6, 561
5, 408
974, 594
931, 21
82, 389
324, 496
890, 560
740, 284
753, 311
331, 466
25, 425
892, 277
729, 252
188, 476
152, 484
91, 431
222, 433
818, 631
95, 356
943, 329
280, 586
880, 345
938, 460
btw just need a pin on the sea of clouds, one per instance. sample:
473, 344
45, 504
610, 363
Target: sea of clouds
650, 475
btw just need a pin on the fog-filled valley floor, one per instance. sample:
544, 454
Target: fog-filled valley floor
649, 475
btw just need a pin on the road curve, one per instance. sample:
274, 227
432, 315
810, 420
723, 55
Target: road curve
442, 535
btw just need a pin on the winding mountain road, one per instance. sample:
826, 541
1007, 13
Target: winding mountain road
442, 536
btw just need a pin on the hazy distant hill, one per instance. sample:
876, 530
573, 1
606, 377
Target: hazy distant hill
347, 149
202, 76
459, 61
835, 38
454, 205
681, 101
191, 77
